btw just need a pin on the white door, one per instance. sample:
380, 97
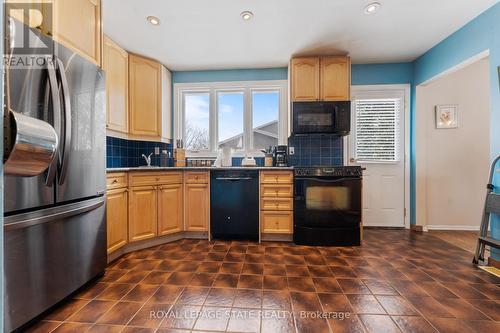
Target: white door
377, 143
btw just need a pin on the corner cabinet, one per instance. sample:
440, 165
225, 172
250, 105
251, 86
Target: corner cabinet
142, 213
115, 63
77, 24
320, 78
145, 97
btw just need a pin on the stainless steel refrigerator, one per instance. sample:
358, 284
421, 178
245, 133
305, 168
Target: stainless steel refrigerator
55, 223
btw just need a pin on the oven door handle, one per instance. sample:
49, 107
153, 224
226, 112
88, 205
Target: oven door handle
329, 180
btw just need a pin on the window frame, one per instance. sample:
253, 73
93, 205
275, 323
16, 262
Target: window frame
213, 89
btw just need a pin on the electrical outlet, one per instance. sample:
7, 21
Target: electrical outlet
157, 150
291, 150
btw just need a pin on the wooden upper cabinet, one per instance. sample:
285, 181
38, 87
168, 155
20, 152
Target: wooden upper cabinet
145, 96
142, 213
115, 63
305, 79
197, 207
77, 24
117, 218
335, 78
170, 214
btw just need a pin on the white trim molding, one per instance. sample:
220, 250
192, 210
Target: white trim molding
453, 227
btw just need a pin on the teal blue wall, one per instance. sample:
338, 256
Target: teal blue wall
480, 34
392, 73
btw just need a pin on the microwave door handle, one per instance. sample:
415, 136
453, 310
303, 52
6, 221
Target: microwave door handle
66, 121
52, 94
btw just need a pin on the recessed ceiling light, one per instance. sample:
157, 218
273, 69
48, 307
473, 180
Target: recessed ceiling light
372, 7
153, 20
246, 15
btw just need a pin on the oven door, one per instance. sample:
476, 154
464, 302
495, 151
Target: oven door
327, 202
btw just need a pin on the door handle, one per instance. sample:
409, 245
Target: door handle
66, 122
52, 93
352, 160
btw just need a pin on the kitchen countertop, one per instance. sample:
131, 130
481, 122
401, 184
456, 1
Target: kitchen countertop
195, 168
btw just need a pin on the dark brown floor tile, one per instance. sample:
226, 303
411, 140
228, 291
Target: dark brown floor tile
187, 266
329, 285
274, 269
215, 256
221, 297
203, 279
336, 261
492, 290
132, 329
314, 260
209, 267
305, 301
294, 260
91, 312
248, 298
231, 267
238, 248
115, 291
120, 313
397, 306
133, 277
234, 257
366, 273
113, 275
72, 328
141, 293
481, 326
193, 295
220, 248
274, 324
63, 311
92, 291
226, 281
249, 268
416, 274
408, 288
101, 328
43, 326
309, 324
244, 320
127, 263
350, 324
365, 304
380, 287
353, 286
180, 278
488, 307
155, 278
166, 294
274, 250
450, 325
297, 283
150, 315
342, 272
213, 319
275, 282
279, 300
335, 303
379, 323
430, 307
461, 309
436, 290
168, 265
319, 271
250, 282
146, 265
297, 270
181, 316
463, 290
254, 258
412, 324
256, 249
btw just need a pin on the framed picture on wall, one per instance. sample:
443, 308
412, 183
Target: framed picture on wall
446, 116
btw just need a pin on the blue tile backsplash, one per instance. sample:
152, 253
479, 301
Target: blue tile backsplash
316, 150
122, 153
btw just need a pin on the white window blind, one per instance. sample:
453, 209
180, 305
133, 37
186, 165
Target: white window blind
377, 126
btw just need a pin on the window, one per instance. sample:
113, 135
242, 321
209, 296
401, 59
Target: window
377, 129
245, 116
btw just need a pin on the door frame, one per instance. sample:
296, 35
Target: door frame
380, 88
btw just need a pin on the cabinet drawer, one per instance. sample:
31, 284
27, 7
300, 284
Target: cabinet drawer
276, 222
196, 177
116, 180
143, 178
276, 204
276, 177
276, 191
171, 177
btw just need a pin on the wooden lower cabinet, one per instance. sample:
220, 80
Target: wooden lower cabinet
276, 222
117, 218
197, 199
170, 209
142, 213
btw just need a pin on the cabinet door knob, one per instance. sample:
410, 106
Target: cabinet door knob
115, 181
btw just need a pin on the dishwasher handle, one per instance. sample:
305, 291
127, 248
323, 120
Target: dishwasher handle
233, 178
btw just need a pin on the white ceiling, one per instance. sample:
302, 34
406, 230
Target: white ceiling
209, 34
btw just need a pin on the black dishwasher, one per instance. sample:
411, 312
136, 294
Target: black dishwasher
234, 204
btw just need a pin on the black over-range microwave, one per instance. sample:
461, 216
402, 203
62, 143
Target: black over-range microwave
322, 117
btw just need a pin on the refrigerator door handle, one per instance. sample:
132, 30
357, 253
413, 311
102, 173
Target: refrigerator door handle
66, 122
52, 88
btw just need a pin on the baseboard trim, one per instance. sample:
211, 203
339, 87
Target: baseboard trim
276, 237
453, 227
417, 228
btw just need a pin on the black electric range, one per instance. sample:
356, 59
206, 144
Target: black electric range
327, 207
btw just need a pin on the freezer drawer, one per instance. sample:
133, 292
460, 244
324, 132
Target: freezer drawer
49, 254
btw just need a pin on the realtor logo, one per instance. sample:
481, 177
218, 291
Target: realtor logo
28, 24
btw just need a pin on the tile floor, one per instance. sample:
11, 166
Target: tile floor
397, 281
